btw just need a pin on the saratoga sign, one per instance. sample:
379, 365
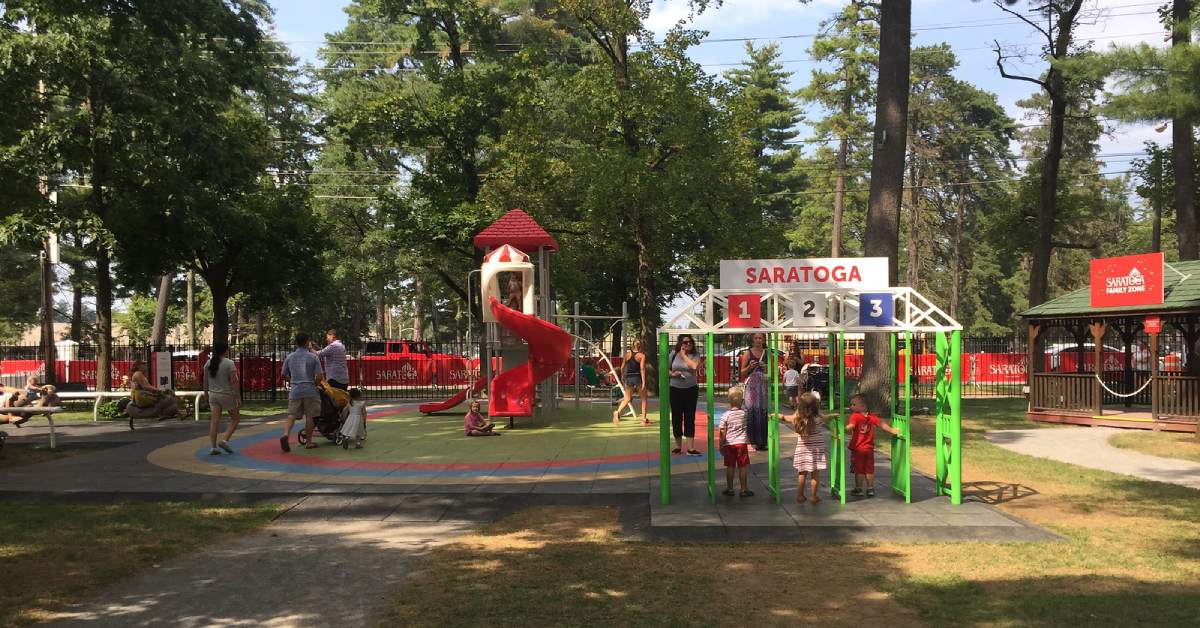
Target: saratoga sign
1127, 280
861, 273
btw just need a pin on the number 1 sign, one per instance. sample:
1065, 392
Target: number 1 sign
744, 310
809, 310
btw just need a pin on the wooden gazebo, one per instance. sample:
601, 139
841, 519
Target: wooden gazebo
1131, 366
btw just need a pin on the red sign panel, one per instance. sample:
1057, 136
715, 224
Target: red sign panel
745, 310
1153, 324
1128, 280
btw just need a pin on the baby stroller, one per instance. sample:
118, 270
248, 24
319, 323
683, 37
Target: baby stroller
329, 422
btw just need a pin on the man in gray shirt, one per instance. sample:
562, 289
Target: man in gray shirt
301, 369
334, 356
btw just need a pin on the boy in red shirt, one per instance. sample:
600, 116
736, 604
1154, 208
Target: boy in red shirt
862, 444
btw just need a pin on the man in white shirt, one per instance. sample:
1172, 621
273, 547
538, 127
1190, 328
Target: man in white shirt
334, 357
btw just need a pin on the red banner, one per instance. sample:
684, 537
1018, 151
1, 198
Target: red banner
1127, 280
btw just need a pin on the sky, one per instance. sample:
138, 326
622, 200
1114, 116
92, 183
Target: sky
969, 27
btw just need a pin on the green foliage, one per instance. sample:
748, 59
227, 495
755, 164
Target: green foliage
20, 297
843, 88
110, 410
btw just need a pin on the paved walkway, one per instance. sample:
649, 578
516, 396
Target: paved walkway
1088, 447
270, 578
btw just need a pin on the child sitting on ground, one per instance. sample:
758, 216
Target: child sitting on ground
733, 441
354, 420
791, 381
862, 444
812, 445
475, 424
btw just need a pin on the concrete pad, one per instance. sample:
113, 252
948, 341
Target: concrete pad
370, 507
903, 520
978, 519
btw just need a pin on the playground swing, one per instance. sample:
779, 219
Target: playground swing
912, 314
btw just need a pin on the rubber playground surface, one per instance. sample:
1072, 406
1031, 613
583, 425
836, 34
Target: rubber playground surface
406, 447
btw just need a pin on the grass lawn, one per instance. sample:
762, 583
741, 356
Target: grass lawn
1165, 444
1131, 555
53, 554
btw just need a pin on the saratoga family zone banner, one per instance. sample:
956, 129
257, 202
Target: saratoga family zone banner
1127, 280
805, 274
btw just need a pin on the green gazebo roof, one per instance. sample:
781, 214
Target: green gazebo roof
1179, 296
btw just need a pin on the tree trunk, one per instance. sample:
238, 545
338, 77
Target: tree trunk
956, 263
1047, 213
887, 179
260, 330
103, 320
158, 332
914, 228
418, 319
191, 308
1156, 223
49, 375
380, 310
1184, 149
648, 314
220, 305
235, 325
839, 200
76, 306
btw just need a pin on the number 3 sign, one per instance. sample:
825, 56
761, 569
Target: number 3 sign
744, 310
875, 309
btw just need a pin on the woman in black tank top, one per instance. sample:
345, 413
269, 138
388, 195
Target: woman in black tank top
635, 380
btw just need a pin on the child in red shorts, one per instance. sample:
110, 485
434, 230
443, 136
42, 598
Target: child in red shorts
862, 444
733, 440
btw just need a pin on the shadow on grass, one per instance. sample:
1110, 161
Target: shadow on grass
1049, 601
566, 567
990, 492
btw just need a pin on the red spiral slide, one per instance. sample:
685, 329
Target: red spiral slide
549, 350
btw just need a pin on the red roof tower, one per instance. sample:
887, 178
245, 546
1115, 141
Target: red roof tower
517, 229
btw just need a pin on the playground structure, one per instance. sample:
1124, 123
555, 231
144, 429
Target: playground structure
898, 311
519, 334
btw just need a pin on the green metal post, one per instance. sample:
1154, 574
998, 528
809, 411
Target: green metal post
664, 419
941, 393
956, 417
773, 425
829, 384
710, 411
840, 426
901, 417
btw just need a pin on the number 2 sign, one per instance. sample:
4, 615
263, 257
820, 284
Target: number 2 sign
809, 310
875, 309
744, 310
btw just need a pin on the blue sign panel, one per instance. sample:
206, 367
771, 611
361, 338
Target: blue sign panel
875, 309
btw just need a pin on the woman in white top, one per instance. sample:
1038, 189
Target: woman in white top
223, 390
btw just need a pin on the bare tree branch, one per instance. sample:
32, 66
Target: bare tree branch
1016, 77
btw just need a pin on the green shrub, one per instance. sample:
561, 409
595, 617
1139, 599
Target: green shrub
109, 410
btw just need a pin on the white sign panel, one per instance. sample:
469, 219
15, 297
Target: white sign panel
162, 369
809, 310
860, 273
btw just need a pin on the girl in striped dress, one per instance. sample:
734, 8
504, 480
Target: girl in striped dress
812, 445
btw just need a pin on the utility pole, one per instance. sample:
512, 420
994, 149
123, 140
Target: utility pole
1156, 201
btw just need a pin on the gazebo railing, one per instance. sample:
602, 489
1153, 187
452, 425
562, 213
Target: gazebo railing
1178, 397
1073, 392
